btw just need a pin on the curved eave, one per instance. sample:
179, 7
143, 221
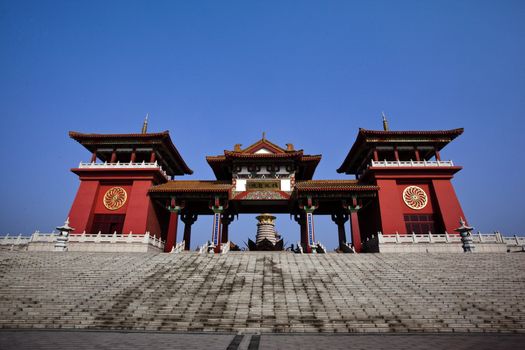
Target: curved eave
182, 164
333, 186
192, 186
237, 155
79, 136
221, 165
307, 166
179, 165
440, 137
431, 133
189, 190
339, 189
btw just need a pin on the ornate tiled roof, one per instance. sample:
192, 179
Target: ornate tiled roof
260, 151
429, 133
367, 139
262, 144
161, 140
332, 185
192, 186
233, 154
86, 136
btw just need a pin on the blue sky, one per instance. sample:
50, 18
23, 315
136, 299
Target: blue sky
216, 73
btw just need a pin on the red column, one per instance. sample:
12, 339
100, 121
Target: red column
94, 157
356, 233
113, 157
396, 153
226, 221
187, 236
301, 220
152, 157
438, 156
188, 219
340, 219
172, 231
133, 156
376, 155
418, 157
218, 209
304, 238
216, 230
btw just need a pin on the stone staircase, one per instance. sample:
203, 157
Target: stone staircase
264, 292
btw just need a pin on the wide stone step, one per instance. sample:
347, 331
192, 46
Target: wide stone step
279, 292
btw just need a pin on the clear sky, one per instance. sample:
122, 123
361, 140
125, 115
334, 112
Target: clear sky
216, 73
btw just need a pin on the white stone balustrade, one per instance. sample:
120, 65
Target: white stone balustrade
88, 242
14, 240
479, 237
443, 243
225, 247
146, 238
118, 165
514, 241
418, 238
412, 163
178, 248
207, 247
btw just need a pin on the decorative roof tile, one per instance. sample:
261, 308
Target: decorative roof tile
162, 140
333, 185
366, 139
222, 164
192, 186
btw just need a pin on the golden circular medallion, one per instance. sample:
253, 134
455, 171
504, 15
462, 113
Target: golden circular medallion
415, 198
115, 198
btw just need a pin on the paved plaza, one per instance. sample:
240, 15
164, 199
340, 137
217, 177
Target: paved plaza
80, 340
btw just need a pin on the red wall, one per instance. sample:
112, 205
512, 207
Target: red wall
141, 214
448, 204
82, 208
390, 207
442, 199
103, 187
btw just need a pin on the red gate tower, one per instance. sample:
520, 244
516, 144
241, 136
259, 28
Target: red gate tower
415, 190
114, 184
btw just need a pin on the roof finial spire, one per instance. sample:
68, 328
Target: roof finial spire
264, 135
145, 124
385, 122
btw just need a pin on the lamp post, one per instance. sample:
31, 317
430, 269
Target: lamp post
63, 237
466, 237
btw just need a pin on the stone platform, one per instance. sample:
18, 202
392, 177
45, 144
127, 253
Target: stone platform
111, 340
263, 292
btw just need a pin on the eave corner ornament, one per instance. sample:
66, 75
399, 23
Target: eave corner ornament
415, 198
115, 198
